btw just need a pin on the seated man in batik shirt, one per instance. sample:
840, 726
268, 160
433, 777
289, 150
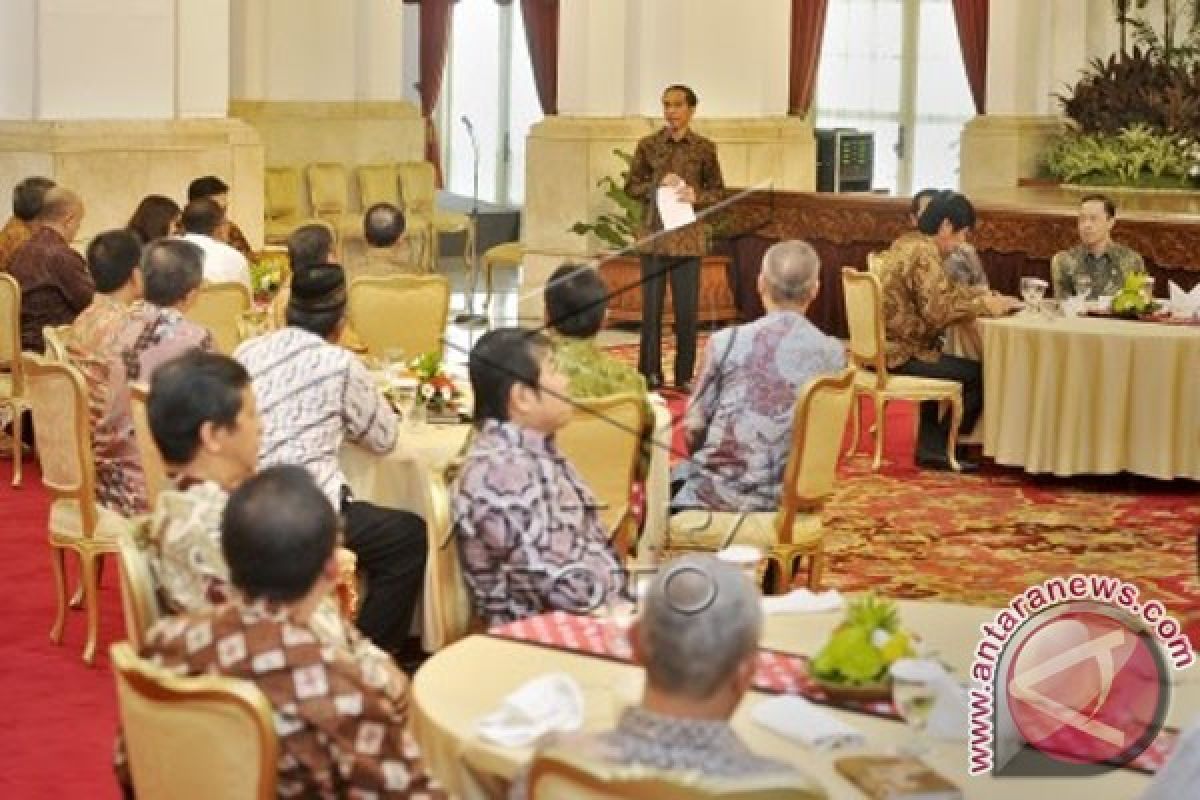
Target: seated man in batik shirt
527, 530
153, 333
697, 638
341, 730
1103, 261
738, 425
576, 305
205, 422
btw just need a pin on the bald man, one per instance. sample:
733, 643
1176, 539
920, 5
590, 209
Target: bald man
54, 279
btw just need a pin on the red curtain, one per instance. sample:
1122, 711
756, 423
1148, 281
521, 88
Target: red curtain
541, 33
971, 17
436, 16
808, 28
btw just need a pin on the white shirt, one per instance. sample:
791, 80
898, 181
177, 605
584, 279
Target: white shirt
222, 264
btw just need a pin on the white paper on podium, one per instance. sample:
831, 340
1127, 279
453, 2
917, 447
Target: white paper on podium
674, 212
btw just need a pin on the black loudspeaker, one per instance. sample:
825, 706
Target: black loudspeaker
845, 160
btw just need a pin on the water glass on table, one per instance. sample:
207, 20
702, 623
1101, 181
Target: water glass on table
1083, 286
915, 684
393, 362
1032, 291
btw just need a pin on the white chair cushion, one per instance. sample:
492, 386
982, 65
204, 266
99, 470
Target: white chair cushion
711, 529
66, 521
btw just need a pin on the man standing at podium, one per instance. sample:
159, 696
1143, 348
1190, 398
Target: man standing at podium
676, 158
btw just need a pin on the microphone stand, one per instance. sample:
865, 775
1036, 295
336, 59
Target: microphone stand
469, 318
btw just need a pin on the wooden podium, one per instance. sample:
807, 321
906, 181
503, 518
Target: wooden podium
623, 276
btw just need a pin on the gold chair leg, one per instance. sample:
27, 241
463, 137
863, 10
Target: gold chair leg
77, 598
956, 414
488, 266
880, 410
18, 446
58, 568
816, 566
855, 424
92, 603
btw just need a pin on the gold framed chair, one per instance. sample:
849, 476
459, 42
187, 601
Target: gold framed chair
139, 603
219, 307
329, 193
153, 467
378, 183
64, 445
446, 604
603, 442
57, 337
406, 311
282, 209
508, 254
194, 737
418, 187
796, 531
864, 314
562, 771
13, 393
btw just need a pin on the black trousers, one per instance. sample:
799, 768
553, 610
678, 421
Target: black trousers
932, 432
684, 274
391, 549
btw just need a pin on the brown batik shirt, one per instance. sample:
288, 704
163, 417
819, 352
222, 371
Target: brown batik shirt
694, 159
920, 300
339, 733
15, 233
55, 285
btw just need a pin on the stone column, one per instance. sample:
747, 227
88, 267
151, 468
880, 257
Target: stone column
1036, 49
122, 98
615, 58
322, 81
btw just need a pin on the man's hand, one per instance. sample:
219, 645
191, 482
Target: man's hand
686, 194
998, 305
671, 179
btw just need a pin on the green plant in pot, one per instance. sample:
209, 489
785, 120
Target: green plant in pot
618, 228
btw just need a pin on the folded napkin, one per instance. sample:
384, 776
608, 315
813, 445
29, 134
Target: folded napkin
1184, 304
948, 717
1074, 306
547, 704
803, 601
798, 719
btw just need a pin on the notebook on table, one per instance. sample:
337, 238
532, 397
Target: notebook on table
896, 778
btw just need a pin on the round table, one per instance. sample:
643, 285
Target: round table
397, 479
1084, 395
468, 679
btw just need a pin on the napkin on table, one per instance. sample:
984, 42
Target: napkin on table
802, 601
1184, 304
798, 719
547, 704
1074, 306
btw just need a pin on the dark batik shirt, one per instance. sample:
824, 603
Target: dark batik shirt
55, 285
694, 159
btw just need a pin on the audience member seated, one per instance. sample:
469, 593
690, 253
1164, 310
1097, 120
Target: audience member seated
54, 279
576, 306
113, 258
28, 196
738, 425
962, 264
1097, 256
153, 334
919, 303
155, 217
206, 425
386, 252
313, 395
528, 534
697, 638
311, 244
210, 187
342, 730
203, 223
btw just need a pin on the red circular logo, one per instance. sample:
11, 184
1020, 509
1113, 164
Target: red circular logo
1085, 689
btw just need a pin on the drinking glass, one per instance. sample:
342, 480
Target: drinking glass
914, 688
393, 362
1032, 292
1083, 286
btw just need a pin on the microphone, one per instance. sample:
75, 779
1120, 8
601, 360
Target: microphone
466, 121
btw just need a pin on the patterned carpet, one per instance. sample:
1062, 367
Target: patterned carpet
983, 538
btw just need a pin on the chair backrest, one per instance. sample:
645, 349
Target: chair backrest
10, 329
447, 603
864, 317
562, 772
378, 183
818, 424
327, 189
194, 737
603, 441
418, 183
219, 307
138, 599
874, 262
153, 466
57, 337
282, 193
62, 429
406, 311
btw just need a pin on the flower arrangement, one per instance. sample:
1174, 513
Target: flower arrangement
266, 275
434, 387
863, 646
